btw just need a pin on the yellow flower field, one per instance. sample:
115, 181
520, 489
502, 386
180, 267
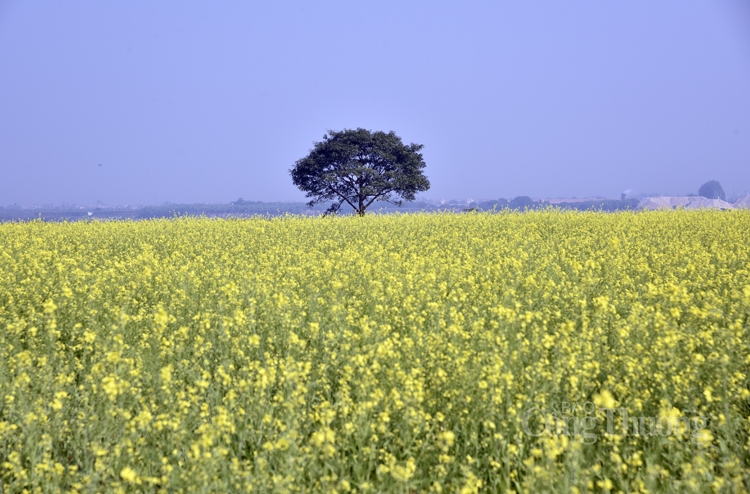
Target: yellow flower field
540, 351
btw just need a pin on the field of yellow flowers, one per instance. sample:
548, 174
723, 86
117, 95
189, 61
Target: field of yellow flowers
535, 352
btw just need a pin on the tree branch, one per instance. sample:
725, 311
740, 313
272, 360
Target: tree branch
386, 191
342, 197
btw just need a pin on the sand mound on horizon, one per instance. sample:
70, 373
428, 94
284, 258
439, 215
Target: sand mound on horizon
687, 202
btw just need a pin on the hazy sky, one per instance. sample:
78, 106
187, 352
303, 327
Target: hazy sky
210, 101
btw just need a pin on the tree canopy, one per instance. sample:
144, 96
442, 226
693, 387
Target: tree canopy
359, 167
712, 190
521, 202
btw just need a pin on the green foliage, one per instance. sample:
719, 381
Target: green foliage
359, 167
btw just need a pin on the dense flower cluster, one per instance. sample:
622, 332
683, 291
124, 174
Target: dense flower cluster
377, 354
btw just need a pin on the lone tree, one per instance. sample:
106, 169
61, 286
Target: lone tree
712, 190
359, 167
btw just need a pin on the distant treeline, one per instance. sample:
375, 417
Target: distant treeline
243, 208
525, 202
236, 208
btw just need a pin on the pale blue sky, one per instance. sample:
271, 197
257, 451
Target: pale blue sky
210, 101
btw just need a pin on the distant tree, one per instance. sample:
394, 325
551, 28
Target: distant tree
359, 167
712, 190
490, 205
521, 202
